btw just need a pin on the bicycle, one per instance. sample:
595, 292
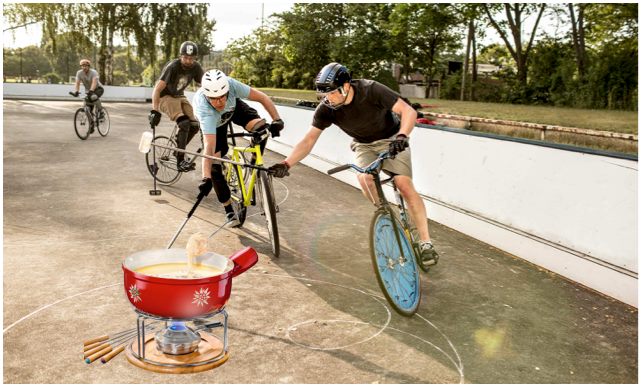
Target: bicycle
394, 244
242, 184
85, 120
162, 165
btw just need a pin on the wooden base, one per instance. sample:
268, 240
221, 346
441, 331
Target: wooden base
209, 348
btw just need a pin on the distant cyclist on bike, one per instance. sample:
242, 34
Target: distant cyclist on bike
368, 112
169, 97
216, 103
91, 81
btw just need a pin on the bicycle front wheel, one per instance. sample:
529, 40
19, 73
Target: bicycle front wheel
104, 124
394, 264
234, 181
164, 168
82, 123
268, 204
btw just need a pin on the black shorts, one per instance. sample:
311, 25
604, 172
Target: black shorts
242, 115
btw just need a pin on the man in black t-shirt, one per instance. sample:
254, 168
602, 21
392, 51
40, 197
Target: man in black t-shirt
368, 112
168, 96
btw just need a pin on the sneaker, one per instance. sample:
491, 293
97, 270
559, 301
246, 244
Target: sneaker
429, 256
232, 218
185, 166
101, 115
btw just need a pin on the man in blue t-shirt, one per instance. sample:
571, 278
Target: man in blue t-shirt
216, 103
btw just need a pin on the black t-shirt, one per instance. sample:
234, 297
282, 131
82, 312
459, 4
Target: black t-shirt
178, 78
368, 117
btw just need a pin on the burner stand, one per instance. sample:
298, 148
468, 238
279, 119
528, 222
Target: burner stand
210, 352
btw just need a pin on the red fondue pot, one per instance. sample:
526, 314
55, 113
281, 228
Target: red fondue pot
182, 298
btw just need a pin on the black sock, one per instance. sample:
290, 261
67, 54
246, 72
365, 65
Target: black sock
229, 209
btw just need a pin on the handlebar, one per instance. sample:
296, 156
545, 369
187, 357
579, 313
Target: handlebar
372, 168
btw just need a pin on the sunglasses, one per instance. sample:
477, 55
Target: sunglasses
84, 65
217, 98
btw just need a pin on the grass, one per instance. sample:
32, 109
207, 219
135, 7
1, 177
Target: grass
604, 120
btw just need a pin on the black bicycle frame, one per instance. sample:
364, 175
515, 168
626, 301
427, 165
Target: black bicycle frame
384, 203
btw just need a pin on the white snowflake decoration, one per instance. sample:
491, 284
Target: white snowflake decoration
201, 296
134, 293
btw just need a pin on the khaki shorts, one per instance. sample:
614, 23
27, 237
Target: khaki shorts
175, 107
366, 153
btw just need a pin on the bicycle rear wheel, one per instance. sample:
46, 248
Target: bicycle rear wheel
104, 124
82, 123
233, 178
268, 204
396, 272
164, 169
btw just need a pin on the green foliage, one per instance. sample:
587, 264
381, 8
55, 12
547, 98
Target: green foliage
71, 30
52, 78
34, 62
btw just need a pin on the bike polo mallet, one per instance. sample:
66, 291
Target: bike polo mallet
155, 191
201, 195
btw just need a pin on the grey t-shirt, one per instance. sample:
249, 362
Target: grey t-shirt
87, 78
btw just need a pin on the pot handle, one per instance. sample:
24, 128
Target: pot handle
243, 260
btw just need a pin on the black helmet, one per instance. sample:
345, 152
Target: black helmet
189, 48
331, 77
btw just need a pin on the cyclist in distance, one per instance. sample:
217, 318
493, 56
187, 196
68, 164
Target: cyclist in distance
369, 113
168, 97
216, 103
91, 81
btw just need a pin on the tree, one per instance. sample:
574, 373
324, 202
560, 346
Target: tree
515, 14
421, 34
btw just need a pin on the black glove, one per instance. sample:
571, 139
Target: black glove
276, 127
74, 94
260, 133
90, 92
205, 186
399, 144
279, 170
154, 117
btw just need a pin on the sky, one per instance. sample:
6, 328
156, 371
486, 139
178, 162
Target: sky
233, 21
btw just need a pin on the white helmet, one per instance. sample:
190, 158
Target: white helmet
215, 83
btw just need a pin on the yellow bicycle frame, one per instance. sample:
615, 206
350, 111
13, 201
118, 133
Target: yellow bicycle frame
236, 156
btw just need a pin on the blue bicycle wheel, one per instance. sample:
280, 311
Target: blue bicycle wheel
395, 267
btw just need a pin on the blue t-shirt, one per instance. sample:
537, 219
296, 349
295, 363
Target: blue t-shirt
210, 119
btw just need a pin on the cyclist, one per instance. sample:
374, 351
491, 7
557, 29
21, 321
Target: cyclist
216, 103
169, 97
91, 81
368, 112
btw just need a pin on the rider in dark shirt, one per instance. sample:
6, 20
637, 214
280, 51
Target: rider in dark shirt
368, 112
168, 96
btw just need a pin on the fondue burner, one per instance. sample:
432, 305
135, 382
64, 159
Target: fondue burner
177, 339
182, 346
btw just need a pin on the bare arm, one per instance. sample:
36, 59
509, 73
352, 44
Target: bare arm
155, 95
408, 116
258, 96
304, 147
94, 84
210, 146
77, 84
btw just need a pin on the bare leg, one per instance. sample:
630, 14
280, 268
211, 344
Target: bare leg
368, 188
415, 205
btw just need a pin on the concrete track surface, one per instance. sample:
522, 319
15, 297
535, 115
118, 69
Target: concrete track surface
73, 210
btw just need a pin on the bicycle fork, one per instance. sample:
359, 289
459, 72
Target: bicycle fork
386, 206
